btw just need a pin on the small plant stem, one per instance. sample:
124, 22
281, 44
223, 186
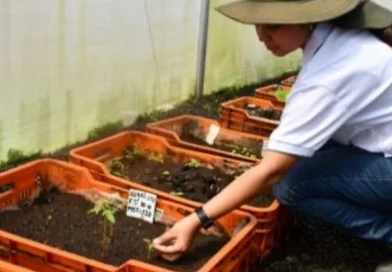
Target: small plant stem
104, 239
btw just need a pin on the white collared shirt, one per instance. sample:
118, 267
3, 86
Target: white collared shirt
343, 92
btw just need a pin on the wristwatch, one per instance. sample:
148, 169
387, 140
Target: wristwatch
205, 221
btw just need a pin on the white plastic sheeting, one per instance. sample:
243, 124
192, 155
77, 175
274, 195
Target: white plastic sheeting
67, 66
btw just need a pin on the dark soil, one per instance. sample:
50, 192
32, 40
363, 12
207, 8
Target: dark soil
270, 113
62, 221
191, 181
315, 247
192, 133
228, 147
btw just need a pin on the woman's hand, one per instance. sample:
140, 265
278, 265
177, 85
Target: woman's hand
177, 240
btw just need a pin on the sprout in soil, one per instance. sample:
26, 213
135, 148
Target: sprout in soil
137, 151
128, 154
157, 158
281, 95
193, 163
150, 247
107, 210
131, 153
116, 165
177, 193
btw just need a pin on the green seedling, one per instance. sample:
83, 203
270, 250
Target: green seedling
157, 158
150, 247
177, 193
193, 163
107, 210
129, 154
115, 165
132, 152
281, 95
137, 151
244, 151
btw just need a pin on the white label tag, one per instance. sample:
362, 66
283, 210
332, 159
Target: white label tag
212, 134
159, 215
264, 148
141, 205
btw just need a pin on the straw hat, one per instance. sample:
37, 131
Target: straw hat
372, 14
287, 11
348, 13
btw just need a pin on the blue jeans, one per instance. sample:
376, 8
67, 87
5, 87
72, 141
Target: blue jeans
343, 186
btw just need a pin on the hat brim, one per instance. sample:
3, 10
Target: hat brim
372, 14
287, 12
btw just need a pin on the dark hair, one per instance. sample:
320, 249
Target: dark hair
384, 34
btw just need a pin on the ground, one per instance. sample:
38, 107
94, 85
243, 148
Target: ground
315, 247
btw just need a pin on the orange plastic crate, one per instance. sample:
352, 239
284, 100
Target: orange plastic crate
172, 128
234, 116
267, 93
93, 156
234, 256
289, 81
8, 267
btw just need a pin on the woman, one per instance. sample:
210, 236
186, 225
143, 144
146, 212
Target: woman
331, 156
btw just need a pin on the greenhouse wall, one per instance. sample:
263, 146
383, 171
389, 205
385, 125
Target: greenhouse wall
68, 66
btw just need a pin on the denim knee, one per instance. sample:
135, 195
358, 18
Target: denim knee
284, 194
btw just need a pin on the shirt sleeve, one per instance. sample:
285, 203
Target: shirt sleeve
309, 119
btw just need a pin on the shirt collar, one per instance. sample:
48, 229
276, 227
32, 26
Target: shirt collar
316, 40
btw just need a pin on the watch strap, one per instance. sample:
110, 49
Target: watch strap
205, 221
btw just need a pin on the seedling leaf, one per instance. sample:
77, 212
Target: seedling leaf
193, 163
281, 95
177, 193
109, 214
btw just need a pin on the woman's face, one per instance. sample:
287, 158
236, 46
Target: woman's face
283, 39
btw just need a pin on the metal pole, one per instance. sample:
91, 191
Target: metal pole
202, 50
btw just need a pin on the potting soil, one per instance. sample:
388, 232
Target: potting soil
197, 183
253, 151
62, 220
272, 114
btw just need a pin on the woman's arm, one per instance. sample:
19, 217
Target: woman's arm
256, 180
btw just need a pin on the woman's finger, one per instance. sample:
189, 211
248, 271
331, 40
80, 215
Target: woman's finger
171, 257
165, 238
175, 248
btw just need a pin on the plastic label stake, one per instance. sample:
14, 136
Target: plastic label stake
212, 134
141, 205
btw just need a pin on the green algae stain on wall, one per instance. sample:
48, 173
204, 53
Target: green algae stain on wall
1, 137
43, 130
69, 117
